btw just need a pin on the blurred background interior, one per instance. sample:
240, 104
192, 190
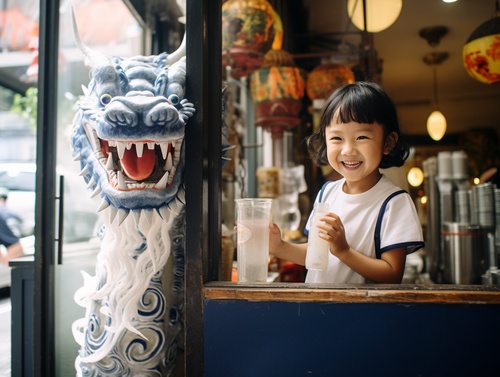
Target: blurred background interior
417, 56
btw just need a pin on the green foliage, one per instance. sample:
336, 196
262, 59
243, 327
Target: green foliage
26, 105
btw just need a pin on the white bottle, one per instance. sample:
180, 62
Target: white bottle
317, 248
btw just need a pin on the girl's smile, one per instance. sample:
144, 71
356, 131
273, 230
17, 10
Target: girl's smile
355, 150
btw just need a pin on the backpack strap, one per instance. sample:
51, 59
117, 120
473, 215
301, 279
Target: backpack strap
378, 225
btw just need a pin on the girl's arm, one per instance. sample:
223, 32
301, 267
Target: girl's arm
388, 269
295, 253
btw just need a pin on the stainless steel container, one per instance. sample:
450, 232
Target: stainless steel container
465, 250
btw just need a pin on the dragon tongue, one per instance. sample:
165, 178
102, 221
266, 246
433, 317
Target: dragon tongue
138, 168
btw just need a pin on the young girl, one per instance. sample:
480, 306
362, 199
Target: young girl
372, 224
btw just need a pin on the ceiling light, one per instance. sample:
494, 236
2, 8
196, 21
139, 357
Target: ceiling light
380, 14
436, 123
415, 176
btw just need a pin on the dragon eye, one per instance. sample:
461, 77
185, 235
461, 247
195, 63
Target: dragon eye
105, 99
174, 99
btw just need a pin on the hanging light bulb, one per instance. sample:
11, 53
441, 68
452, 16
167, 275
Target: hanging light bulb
415, 176
436, 122
436, 125
380, 14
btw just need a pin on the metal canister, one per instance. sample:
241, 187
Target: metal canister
464, 252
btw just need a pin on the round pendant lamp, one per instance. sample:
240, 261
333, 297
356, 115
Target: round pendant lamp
380, 14
481, 52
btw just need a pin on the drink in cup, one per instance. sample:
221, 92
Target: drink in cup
317, 248
252, 221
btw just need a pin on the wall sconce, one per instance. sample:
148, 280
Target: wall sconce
436, 123
481, 51
377, 15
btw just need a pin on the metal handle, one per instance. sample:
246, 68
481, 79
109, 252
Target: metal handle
60, 225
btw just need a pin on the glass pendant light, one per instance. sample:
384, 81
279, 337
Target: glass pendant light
436, 122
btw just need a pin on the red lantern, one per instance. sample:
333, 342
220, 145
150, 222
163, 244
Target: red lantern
247, 34
481, 53
277, 90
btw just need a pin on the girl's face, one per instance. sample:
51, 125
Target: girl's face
355, 151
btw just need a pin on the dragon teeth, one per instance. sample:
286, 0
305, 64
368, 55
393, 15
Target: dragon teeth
121, 180
120, 147
168, 163
109, 163
139, 147
162, 183
164, 149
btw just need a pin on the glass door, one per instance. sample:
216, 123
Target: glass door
106, 29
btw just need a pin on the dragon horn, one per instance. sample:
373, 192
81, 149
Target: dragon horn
94, 58
177, 54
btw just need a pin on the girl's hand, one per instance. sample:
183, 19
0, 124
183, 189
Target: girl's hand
332, 230
274, 239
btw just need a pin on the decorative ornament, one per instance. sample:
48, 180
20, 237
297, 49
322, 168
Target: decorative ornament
481, 52
325, 78
248, 32
277, 90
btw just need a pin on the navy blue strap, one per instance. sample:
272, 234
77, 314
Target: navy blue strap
322, 190
379, 221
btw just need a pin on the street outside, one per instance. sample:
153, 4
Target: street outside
5, 321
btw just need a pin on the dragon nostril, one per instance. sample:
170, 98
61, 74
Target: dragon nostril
159, 115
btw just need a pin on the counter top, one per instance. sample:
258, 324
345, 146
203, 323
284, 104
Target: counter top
380, 293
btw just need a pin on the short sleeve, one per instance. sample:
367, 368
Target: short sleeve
401, 226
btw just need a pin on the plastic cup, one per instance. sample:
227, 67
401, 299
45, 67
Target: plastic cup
252, 221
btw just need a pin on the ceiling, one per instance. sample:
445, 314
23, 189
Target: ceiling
466, 103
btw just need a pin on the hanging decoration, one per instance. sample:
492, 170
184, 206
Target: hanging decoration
248, 32
481, 52
277, 90
436, 123
327, 77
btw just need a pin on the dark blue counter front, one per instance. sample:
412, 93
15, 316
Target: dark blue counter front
271, 338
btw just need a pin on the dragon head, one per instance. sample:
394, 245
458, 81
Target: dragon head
128, 133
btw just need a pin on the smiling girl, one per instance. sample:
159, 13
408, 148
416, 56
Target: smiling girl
372, 224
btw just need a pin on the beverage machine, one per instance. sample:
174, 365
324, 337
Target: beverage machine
463, 223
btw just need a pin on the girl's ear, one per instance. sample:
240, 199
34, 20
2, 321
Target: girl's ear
390, 142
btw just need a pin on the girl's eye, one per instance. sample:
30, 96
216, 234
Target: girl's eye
105, 99
362, 137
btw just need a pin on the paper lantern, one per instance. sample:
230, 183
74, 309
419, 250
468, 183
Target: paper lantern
277, 90
481, 53
247, 34
327, 77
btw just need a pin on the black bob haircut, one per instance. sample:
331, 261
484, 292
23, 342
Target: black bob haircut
361, 102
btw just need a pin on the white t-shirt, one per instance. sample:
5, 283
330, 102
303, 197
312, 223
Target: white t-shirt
400, 226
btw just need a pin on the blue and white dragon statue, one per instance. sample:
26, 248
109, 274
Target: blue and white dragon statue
128, 137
